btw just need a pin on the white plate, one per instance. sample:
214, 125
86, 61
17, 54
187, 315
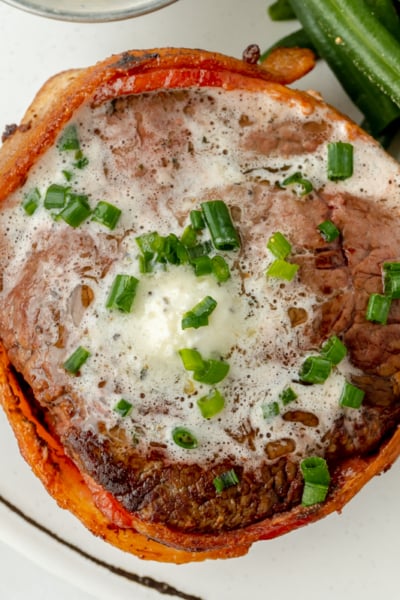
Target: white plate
344, 556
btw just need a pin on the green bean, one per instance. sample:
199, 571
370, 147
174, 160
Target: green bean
386, 13
362, 53
281, 11
356, 36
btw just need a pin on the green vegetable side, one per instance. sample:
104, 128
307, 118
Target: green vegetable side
360, 41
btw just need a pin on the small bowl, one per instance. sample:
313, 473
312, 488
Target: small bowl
89, 11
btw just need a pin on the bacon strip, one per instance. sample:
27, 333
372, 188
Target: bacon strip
136, 72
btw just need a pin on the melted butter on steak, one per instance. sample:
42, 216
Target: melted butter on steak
157, 156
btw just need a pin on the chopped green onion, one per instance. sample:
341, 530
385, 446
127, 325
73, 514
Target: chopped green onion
122, 293
192, 359
69, 139
351, 396
287, 395
76, 360
202, 249
328, 230
189, 237
81, 161
223, 233
281, 269
31, 201
147, 241
225, 480
212, 404
147, 253
392, 286
159, 243
220, 268
107, 214
145, 263
279, 245
297, 179
391, 280
181, 252
378, 308
123, 407
391, 266
198, 315
315, 369
316, 480
55, 196
168, 253
204, 371
173, 252
334, 350
270, 410
202, 265
76, 210
67, 175
340, 160
163, 249
315, 470
197, 220
212, 371
184, 438
313, 493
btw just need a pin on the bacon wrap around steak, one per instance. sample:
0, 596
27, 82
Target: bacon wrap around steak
82, 491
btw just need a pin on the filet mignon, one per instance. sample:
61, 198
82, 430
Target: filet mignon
149, 141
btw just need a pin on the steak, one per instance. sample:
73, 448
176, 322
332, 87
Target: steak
158, 156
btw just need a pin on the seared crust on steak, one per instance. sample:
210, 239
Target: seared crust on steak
143, 488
